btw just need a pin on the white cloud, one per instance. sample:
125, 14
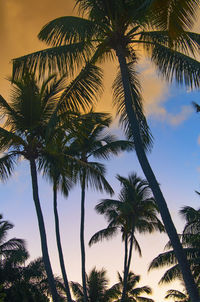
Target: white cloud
174, 119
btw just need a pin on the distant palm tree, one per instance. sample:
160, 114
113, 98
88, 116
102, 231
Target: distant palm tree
190, 239
134, 211
7, 247
90, 140
97, 288
26, 283
177, 296
109, 29
133, 293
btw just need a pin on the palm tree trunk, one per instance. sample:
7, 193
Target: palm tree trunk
125, 267
82, 241
168, 223
58, 240
128, 265
43, 238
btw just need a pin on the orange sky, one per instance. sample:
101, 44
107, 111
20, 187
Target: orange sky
22, 20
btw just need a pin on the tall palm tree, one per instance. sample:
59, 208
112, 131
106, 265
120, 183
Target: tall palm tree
90, 140
97, 288
115, 29
134, 211
54, 166
191, 242
30, 119
133, 293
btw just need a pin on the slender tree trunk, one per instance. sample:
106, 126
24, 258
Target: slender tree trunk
43, 238
169, 226
58, 240
125, 266
82, 241
129, 255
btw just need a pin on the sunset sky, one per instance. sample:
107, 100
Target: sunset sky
175, 157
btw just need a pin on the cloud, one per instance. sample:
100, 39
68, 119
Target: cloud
177, 119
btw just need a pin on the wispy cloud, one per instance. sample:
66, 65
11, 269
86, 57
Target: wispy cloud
175, 119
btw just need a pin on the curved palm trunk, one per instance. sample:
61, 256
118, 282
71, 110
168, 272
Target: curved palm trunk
58, 240
43, 238
164, 211
82, 241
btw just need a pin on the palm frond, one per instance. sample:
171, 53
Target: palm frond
171, 274
83, 90
10, 245
96, 180
113, 148
167, 258
7, 165
172, 293
67, 29
63, 59
175, 65
106, 233
188, 43
118, 100
174, 16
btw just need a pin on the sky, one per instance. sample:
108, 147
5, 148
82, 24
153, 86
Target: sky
175, 158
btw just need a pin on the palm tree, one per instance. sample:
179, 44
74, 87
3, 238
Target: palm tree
116, 29
26, 283
54, 166
90, 140
134, 211
7, 247
191, 242
30, 120
133, 293
97, 288
177, 295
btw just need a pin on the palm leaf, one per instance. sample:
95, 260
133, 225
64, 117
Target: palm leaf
175, 65
118, 100
167, 258
171, 274
83, 89
106, 233
63, 59
68, 29
175, 16
7, 165
113, 148
96, 180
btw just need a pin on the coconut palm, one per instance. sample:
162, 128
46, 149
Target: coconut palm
115, 29
30, 120
191, 242
177, 295
133, 293
26, 283
89, 139
97, 288
7, 247
134, 211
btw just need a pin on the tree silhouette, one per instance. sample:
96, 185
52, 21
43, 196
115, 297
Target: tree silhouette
134, 211
116, 29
